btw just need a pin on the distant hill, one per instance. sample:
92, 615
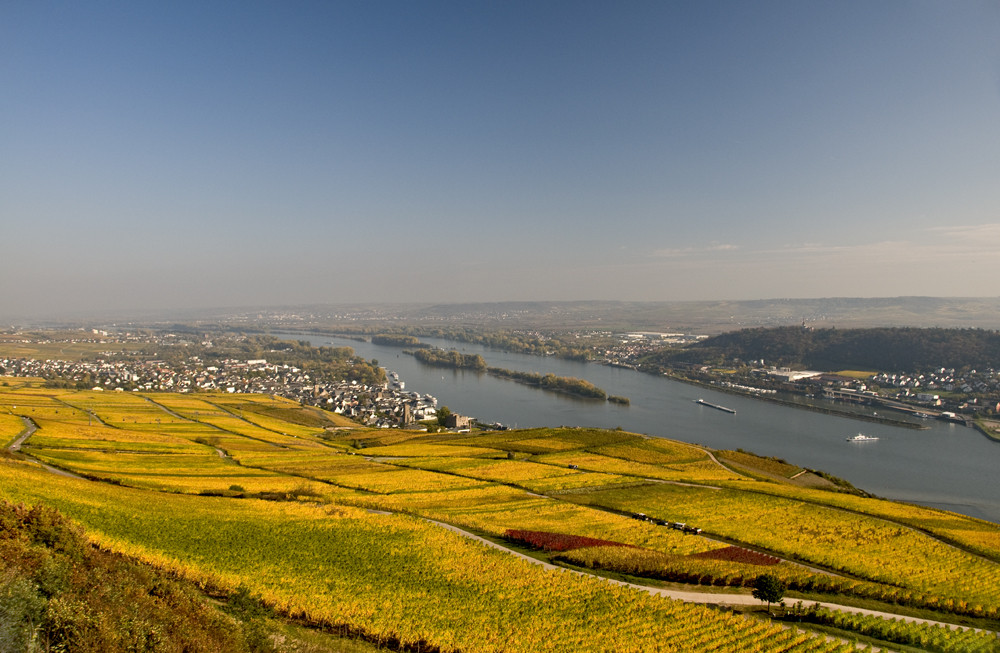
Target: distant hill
711, 317
702, 317
831, 349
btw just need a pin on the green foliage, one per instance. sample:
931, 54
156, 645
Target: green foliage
251, 612
521, 342
22, 609
832, 349
452, 359
58, 593
564, 384
768, 587
442, 415
397, 340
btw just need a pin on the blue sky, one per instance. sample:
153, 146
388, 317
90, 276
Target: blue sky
210, 154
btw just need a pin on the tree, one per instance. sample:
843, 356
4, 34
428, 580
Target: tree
442, 415
768, 588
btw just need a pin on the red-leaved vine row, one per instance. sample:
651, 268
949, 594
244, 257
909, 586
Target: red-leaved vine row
738, 554
558, 541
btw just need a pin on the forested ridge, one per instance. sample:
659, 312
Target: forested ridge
902, 348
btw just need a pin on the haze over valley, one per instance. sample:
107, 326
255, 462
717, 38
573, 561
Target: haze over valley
347, 326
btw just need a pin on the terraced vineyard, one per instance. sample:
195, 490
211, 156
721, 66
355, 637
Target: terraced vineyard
232, 491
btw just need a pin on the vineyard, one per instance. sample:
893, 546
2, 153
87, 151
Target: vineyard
229, 491
926, 637
912, 566
389, 578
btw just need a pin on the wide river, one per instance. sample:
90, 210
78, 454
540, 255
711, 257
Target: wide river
947, 466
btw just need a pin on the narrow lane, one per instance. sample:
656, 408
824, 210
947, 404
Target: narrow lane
714, 598
29, 428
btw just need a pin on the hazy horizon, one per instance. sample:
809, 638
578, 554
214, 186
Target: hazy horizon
196, 155
688, 316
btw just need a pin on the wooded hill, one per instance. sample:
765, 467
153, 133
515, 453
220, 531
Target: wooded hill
832, 349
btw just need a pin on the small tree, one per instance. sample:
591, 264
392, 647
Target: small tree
768, 588
442, 414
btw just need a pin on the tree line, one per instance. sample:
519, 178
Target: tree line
897, 348
566, 346
565, 384
452, 359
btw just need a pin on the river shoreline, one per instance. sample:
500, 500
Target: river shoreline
943, 466
982, 428
791, 404
774, 400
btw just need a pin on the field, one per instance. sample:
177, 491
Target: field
70, 346
388, 577
10, 427
861, 546
330, 526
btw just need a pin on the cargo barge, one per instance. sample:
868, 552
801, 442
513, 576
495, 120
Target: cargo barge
702, 402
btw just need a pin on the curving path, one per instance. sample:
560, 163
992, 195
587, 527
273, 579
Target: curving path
29, 428
884, 518
715, 598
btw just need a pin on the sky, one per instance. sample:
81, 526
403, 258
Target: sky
206, 154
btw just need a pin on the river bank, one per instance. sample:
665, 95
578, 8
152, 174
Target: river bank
991, 429
945, 466
452, 359
878, 419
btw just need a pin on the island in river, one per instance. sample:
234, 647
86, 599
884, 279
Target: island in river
564, 384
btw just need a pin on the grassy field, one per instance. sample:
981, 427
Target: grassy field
861, 375
69, 346
10, 427
256, 491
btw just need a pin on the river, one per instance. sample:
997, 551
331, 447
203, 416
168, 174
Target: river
946, 466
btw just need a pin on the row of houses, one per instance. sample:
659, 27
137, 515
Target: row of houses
383, 405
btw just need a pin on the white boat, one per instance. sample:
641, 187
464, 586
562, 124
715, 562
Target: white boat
861, 437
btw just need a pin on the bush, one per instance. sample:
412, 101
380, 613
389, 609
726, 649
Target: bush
59, 593
22, 608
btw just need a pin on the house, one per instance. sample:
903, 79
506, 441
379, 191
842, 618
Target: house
456, 421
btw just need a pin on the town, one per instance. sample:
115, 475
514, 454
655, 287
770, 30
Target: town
383, 401
382, 404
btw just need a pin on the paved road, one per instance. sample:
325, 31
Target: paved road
29, 429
